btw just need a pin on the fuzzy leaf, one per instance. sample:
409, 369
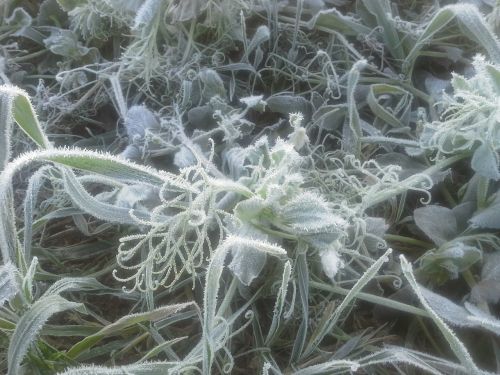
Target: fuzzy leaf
146, 368
247, 262
65, 43
8, 283
438, 223
455, 344
139, 119
16, 105
309, 215
489, 217
286, 104
450, 259
459, 316
213, 84
488, 288
485, 162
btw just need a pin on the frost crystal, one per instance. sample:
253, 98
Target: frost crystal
331, 262
299, 136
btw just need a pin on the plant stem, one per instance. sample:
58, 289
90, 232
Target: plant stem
408, 240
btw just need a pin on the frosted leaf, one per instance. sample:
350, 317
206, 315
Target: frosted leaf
132, 152
309, 213
139, 119
147, 13
65, 43
248, 262
438, 223
186, 10
8, 284
254, 102
331, 262
298, 138
134, 196
185, 158
250, 208
485, 162
488, 217
234, 160
213, 84
285, 104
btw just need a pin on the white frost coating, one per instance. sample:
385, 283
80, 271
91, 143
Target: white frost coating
8, 285
146, 13
139, 119
299, 136
331, 262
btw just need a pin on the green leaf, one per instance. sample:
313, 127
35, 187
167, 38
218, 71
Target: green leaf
332, 19
286, 104
470, 21
449, 260
352, 133
247, 262
16, 105
309, 216
146, 368
19, 20
403, 105
280, 303
212, 284
121, 324
103, 211
381, 9
459, 316
65, 43
438, 223
455, 344
30, 324
8, 283
489, 217
485, 162
321, 331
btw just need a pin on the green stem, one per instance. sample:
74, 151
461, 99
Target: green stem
408, 240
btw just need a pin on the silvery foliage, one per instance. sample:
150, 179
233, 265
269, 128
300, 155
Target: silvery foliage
267, 202
470, 122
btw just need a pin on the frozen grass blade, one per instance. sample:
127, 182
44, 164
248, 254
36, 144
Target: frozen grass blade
212, 285
30, 324
321, 332
280, 303
16, 105
123, 323
456, 345
8, 283
469, 19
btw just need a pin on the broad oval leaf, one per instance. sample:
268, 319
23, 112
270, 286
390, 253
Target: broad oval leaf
438, 223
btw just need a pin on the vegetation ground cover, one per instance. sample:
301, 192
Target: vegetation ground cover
249, 187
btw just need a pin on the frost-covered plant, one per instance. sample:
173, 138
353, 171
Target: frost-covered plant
99, 19
471, 121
